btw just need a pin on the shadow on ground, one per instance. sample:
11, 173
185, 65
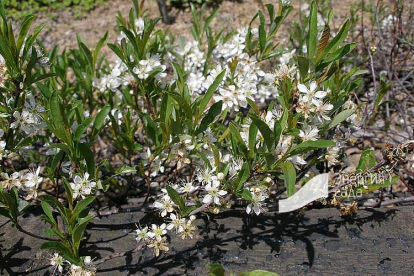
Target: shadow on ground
320, 242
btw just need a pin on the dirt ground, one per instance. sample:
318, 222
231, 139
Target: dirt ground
61, 27
375, 242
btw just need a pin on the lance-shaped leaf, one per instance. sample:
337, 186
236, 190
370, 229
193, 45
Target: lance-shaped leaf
210, 91
342, 116
267, 133
212, 113
175, 197
313, 31
99, 121
311, 145
289, 174
242, 177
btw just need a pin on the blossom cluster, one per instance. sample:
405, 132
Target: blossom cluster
59, 263
155, 236
28, 181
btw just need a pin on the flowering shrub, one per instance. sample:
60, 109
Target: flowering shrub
222, 119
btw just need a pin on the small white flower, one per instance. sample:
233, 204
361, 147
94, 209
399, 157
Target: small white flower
142, 72
206, 176
82, 186
87, 260
214, 193
176, 222
14, 180
159, 245
57, 261
309, 133
142, 234
187, 187
311, 94
258, 196
3, 151
157, 231
332, 155
165, 205
139, 24
33, 179
322, 109
305, 106
297, 160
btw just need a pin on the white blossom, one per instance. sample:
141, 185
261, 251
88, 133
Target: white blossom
165, 205
214, 193
82, 186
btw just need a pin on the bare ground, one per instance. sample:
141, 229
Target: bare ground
61, 27
375, 242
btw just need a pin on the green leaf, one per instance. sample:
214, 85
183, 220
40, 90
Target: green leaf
48, 211
215, 270
54, 203
55, 112
367, 156
313, 31
80, 130
99, 47
253, 106
289, 174
100, 121
2, 13
245, 194
212, 113
336, 55
24, 29
175, 197
262, 38
39, 78
281, 125
80, 206
244, 174
188, 211
342, 116
384, 184
384, 87
125, 169
89, 157
210, 91
31, 39
78, 230
183, 105
336, 41
265, 130
117, 50
57, 246
311, 145
253, 137
303, 65
237, 141
69, 192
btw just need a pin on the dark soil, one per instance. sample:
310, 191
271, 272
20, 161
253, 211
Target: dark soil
375, 242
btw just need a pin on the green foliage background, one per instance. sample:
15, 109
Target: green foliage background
20, 8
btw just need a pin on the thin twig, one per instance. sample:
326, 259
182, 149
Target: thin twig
390, 202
